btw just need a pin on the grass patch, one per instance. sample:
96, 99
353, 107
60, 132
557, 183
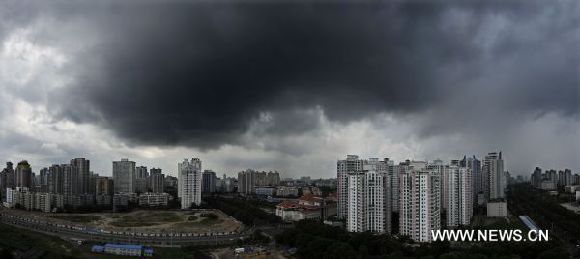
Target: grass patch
134, 224
207, 219
78, 219
209, 216
160, 216
146, 219
12, 238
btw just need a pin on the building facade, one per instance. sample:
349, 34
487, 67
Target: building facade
82, 168
23, 175
460, 200
190, 180
351, 164
209, 179
420, 202
156, 181
124, 176
493, 168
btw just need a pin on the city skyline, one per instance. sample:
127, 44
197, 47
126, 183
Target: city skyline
159, 83
37, 169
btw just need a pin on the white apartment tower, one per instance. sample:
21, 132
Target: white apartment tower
351, 164
420, 205
355, 204
189, 182
368, 205
460, 200
443, 170
493, 170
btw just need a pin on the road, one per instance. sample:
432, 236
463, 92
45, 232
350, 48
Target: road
84, 233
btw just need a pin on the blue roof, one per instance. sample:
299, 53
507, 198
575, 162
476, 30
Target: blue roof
148, 250
123, 246
529, 222
97, 248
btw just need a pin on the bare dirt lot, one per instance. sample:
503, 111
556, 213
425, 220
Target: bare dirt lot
148, 221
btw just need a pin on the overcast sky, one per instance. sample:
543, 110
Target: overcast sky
290, 87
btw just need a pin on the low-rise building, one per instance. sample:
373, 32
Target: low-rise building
307, 207
126, 250
287, 191
104, 200
12, 197
121, 201
265, 191
572, 188
497, 209
150, 199
548, 185
44, 201
289, 210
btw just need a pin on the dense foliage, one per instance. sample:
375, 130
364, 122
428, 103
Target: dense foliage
316, 240
546, 211
26, 244
246, 212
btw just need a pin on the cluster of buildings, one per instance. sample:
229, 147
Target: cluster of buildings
551, 179
370, 190
554, 182
74, 185
250, 180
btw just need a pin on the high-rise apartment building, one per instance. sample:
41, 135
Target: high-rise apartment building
70, 182
393, 173
273, 178
43, 180
93, 182
23, 175
189, 181
476, 176
209, 180
124, 176
369, 198
141, 175
141, 172
537, 177
351, 164
564, 177
246, 181
420, 202
552, 176
460, 200
6, 179
104, 186
55, 179
227, 184
156, 181
443, 170
82, 168
493, 168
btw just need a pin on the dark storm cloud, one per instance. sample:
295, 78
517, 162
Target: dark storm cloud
198, 74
